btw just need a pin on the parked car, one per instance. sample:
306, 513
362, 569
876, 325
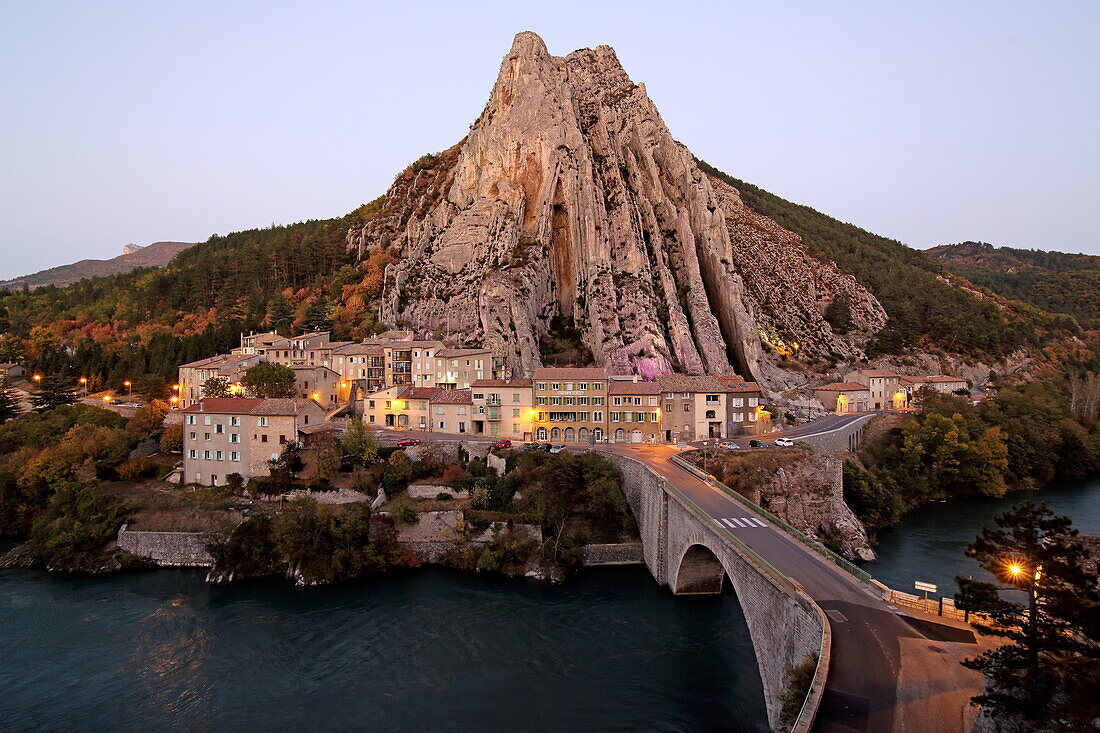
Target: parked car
728, 445
505, 443
557, 448
405, 442
784, 442
545, 446
529, 446
757, 444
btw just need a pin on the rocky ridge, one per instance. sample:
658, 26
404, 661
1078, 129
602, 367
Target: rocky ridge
569, 200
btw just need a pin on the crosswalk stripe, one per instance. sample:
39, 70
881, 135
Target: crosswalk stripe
730, 524
719, 523
739, 522
762, 524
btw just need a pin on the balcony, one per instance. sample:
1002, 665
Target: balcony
493, 399
492, 415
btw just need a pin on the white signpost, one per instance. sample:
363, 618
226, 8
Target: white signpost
926, 587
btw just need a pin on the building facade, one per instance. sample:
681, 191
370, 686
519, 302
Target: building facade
570, 404
710, 407
634, 412
504, 407
844, 397
884, 387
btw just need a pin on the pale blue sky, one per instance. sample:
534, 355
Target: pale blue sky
136, 122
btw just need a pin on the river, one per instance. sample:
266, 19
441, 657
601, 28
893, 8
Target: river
420, 650
930, 543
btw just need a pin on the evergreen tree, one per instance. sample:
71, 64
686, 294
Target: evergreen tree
1050, 634
216, 387
53, 391
839, 314
9, 401
317, 317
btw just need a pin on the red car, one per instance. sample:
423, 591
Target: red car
505, 443
405, 442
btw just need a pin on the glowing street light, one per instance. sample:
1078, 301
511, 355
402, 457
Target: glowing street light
129, 388
176, 387
174, 399
106, 398
37, 377
84, 384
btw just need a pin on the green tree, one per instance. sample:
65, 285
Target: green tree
1050, 634
53, 391
838, 313
318, 315
216, 387
11, 349
269, 379
358, 443
9, 401
326, 454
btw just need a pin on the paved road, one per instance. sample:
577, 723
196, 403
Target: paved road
887, 671
871, 640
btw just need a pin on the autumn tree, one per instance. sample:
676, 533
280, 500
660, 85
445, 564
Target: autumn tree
358, 444
216, 387
11, 349
1052, 635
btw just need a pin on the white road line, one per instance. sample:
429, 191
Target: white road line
738, 522
731, 524
762, 524
719, 523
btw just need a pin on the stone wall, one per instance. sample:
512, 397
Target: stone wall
681, 546
168, 549
623, 553
846, 438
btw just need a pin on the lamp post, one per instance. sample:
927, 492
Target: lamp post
129, 388
705, 458
84, 384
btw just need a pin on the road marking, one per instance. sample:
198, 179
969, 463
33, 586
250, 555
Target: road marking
731, 524
758, 522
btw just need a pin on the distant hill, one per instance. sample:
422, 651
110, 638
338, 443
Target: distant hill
156, 254
1058, 282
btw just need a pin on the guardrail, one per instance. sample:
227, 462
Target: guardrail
855, 571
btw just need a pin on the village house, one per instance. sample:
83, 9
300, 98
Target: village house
402, 406
460, 368
192, 376
844, 397
884, 386
937, 382
410, 362
318, 383
223, 436
504, 406
699, 407
452, 411
634, 411
361, 367
11, 371
570, 404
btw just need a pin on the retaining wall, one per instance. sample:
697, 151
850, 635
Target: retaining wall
170, 549
623, 553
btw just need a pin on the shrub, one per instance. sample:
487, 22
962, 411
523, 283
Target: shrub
140, 467
405, 511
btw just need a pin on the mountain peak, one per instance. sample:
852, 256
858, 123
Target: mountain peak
528, 44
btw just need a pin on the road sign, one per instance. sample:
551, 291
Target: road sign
927, 587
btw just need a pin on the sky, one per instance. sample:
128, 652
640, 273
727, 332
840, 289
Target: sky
933, 123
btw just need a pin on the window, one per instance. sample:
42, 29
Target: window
478, 396
637, 401
193, 436
652, 401
541, 385
515, 397
712, 399
190, 419
263, 438
387, 404
616, 401
234, 421
668, 407
710, 415
370, 404
206, 455
615, 417
282, 440
555, 400
753, 401
234, 437
597, 416
219, 428
583, 386
597, 400
263, 422
540, 401
234, 456
193, 453
206, 436
371, 419
515, 412
685, 396
205, 419
582, 400
752, 417
687, 407
739, 417
462, 411
220, 456
737, 401
555, 386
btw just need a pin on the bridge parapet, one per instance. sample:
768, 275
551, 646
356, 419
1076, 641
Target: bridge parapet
687, 551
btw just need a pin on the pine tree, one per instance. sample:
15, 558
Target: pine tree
317, 316
839, 314
54, 390
9, 401
1051, 636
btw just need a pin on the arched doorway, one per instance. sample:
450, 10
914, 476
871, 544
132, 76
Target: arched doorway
620, 435
540, 434
597, 434
570, 435
582, 435
700, 572
555, 435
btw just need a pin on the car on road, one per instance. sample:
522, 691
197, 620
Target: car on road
405, 442
503, 444
784, 442
757, 444
529, 446
557, 448
728, 445
545, 446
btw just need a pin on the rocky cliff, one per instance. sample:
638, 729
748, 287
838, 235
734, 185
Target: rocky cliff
570, 201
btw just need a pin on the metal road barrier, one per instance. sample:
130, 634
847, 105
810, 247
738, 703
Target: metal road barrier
854, 570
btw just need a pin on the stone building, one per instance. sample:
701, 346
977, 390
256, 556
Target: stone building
570, 404
240, 435
504, 406
884, 387
844, 397
698, 407
402, 406
460, 368
11, 371
318, 383
937, 382
452, 411
634, 412
192, 376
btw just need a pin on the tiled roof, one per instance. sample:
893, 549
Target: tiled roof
452, 353
405, 345
842, 387
452, 397
718, 383
418, 393
282, 406
622, 386
570, 373
225, 405
318, 428
877, 373
8, 365
501, 383
220, 360
354, 348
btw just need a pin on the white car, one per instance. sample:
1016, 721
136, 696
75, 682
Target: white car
729, 445
784, 442
557, 448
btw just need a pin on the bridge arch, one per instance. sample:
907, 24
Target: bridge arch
699, 571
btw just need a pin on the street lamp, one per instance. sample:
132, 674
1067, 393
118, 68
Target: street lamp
129, 388
174, 399
84, 384
106, 398
37, 377
705, 457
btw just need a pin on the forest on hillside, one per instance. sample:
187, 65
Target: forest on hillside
926, 310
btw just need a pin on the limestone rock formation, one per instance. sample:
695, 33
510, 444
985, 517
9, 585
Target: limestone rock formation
569, 200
